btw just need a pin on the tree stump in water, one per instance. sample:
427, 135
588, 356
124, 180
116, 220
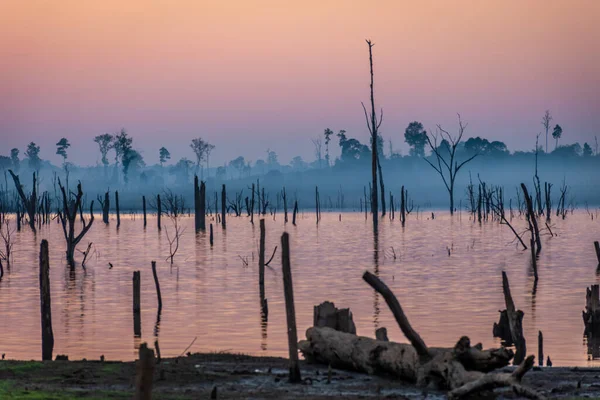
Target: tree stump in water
591, 315
327, 315
502, 329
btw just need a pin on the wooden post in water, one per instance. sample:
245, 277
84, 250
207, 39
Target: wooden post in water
285, 217
317, 203
261, 261
158, 295
137, 320
45, 303
196, 204
105, 208
540, 349
597, 247
144, 209
252, 207
223, 206
402, 206
202, 209
117, 208
295, 212
158, 211
211, 235
144, 374
288, 290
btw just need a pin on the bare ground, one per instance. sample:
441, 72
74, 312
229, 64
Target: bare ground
244, 377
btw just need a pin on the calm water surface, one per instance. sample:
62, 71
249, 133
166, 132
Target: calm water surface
210, 294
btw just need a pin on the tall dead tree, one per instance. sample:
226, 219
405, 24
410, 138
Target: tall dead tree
373, 124
105, 205
445, 154
29, 203
67, 216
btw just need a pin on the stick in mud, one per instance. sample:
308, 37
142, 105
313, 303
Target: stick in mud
288, 289
144, 374
45, 303
158, 295
137, 319
144, 209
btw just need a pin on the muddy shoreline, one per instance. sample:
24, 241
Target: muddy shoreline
240, 377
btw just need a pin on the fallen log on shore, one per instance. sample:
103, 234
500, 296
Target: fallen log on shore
462, 370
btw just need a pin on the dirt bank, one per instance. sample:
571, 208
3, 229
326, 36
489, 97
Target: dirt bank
243, 377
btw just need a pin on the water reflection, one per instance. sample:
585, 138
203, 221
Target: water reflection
210, 294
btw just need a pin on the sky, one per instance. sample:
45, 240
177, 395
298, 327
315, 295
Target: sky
250, 75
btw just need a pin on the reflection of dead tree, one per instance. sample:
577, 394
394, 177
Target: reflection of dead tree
174, 209
67, 216
6, 233
29, 203
445, 154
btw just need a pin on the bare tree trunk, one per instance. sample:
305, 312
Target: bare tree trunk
117, 209
144, 209
374, 155
514, 322
382, 189
223, 207
137, 323
45, 303
288, 289
158, 295
158, 211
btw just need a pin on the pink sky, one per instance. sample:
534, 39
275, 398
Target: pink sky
248, 75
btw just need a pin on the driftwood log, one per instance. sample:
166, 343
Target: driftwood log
461, 369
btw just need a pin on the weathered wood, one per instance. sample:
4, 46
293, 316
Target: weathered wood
202, 207
326, 314
144, 209
45, 303
67, 217
491, 381
261, 261
29, 203
196, 204
399, 315
137, 323
381, 334
223, 207
290, 312
357, 353
157, 284
117, 208
295, 212
515, 323
144, 373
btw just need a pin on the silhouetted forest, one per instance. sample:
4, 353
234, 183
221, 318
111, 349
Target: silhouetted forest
342, 179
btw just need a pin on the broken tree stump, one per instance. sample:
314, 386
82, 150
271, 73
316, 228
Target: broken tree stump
45, 303
591, 314
381, 334
515, 322
289, 308
326, 314
144, 373
540, 349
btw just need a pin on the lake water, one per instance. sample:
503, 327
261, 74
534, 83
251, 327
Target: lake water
209, 293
